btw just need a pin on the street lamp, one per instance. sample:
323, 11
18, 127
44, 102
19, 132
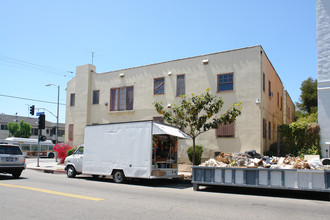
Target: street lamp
58, 104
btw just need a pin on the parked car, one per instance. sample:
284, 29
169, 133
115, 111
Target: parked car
12, 160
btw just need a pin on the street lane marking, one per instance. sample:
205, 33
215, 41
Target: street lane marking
52, 192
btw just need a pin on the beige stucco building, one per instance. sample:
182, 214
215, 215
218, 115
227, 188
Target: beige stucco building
243, 75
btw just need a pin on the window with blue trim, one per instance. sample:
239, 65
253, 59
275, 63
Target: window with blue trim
226, 82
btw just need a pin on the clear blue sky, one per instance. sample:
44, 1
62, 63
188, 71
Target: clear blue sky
42, 41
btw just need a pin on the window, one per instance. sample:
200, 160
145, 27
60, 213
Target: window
159, 86
96, 94
278, 99
72, 99
80, 150
43, 147
61, 133
264, 82
269, 130
281, 103
226, 130
121, 99
34, 148
10, 149
25, 147
180, 85
270, 94
70, 132
264, 127
34, 131
4, 127
226, 82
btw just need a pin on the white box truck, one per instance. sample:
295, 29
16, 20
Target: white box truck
142, 149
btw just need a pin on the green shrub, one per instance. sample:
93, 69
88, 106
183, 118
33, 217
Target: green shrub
70, 151
301, 137
198, 154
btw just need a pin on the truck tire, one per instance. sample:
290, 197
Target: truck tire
71, 172
51, 155
118, 176
17, 174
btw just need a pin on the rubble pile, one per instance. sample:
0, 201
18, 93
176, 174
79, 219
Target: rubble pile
251, 159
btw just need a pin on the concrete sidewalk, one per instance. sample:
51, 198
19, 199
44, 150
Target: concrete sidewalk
50, 165
47, 165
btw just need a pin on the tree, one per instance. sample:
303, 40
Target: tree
23, 129
198, 114
62, 150
308, 97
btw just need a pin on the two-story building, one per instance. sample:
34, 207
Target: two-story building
243, 75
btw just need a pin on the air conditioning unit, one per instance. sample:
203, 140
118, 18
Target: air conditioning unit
270, 94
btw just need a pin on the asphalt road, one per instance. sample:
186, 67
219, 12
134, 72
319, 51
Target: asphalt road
38, 195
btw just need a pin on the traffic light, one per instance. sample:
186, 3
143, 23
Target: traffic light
41, 121
32, 110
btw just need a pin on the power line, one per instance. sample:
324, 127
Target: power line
32, 66
36, 100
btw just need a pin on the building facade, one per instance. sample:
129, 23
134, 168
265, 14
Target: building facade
49, 131
323, 69
243, 75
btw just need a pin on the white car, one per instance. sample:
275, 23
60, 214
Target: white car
12, 160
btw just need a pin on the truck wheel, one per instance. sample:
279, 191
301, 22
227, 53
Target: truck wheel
118, 176
17, 174
51, 155
71, 172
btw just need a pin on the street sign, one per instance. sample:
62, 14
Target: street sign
40, 113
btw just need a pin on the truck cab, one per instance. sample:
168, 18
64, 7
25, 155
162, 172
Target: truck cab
73, 163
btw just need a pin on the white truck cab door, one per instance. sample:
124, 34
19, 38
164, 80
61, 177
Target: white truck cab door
78, 158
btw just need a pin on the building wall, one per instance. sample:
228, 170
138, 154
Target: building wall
271, 103
246, 64
289, 108
323, 65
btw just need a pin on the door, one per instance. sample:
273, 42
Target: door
77, 158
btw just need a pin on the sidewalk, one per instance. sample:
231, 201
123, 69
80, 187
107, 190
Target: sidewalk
48, 165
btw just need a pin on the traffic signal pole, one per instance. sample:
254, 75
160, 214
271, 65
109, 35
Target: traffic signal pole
41, 125
39, 131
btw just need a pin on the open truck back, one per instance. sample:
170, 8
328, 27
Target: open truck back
142, 149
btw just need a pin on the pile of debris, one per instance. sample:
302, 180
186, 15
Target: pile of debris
251, 159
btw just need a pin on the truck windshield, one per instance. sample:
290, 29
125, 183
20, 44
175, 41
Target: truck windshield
80, 150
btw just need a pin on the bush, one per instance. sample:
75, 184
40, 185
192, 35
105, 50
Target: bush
70, 151
198, 154
301, 137
61, 150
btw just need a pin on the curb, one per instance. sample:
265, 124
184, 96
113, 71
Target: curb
47, 170
184, 176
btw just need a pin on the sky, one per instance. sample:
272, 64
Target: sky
42, 42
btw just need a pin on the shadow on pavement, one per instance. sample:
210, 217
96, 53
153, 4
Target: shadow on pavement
166, 183
292, 194
10, 177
